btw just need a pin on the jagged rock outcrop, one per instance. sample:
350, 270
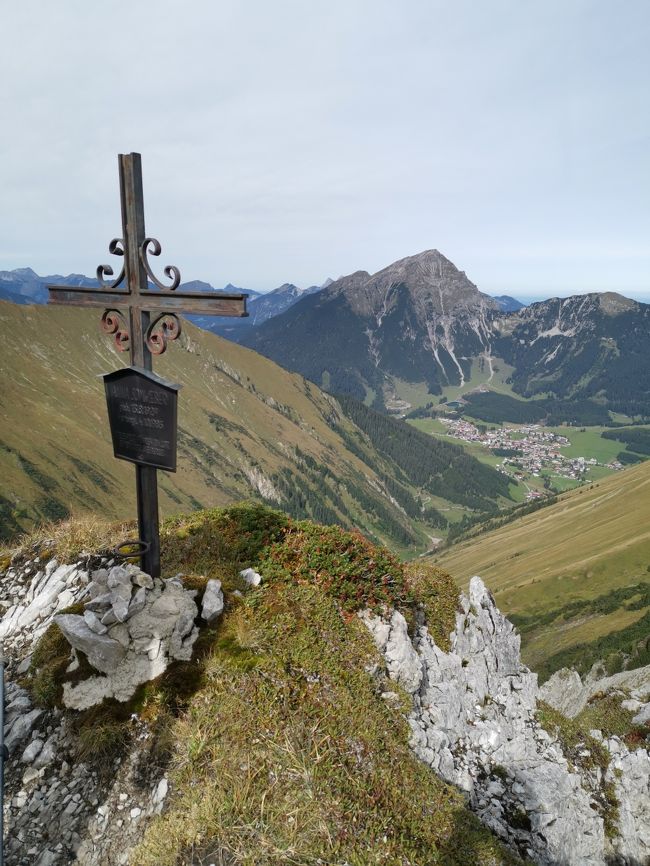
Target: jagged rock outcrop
566, 691
473, 721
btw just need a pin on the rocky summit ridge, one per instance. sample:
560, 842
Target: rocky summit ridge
471, 706
432, 280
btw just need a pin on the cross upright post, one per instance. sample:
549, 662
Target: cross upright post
142, 336
146, 477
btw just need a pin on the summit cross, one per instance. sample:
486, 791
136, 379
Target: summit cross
142, 320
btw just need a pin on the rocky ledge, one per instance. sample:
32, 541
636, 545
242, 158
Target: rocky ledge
474, 721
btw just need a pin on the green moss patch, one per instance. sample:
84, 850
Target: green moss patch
345, 565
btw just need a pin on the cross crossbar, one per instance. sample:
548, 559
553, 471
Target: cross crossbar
211, 303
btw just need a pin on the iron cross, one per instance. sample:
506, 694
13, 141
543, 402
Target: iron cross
152, 320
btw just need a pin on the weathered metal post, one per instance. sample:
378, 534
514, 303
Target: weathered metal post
146, 477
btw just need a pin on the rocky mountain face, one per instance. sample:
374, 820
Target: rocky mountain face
474, 722
420, 319
423, 320
472, 718
581, 347
508, 304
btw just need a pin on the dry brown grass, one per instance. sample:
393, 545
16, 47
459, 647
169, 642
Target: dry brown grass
70, 538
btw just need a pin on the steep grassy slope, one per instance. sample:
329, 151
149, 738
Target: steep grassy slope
573, 576
246, 428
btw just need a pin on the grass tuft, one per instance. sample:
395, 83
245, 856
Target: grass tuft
69, 538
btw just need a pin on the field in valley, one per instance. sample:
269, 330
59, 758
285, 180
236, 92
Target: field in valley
555, 569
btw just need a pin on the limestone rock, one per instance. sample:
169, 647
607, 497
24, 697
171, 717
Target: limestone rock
567, 692
103, 653
20, 727
473, 721
213, 602
94, 623
402, 660
251, 577
144, 623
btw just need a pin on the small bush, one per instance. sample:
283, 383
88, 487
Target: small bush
207, 541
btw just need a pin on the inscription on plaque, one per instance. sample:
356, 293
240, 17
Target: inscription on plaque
142, 410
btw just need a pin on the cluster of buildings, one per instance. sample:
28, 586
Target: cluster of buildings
526, 450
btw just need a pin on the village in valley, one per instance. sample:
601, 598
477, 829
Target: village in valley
526, 450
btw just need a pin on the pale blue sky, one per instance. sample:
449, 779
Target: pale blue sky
294, 140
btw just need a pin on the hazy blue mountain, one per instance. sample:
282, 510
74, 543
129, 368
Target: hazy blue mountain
508, 304
261, 308
25, 286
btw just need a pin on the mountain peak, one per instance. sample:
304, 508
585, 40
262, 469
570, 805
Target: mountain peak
612, 304
432, 281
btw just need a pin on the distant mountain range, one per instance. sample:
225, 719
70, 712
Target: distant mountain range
422, 320
25, 286
260, 309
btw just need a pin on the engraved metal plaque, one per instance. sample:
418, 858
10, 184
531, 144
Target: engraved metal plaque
142, 412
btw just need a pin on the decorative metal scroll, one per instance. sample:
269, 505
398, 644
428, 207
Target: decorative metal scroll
115, 248
171, 271
113, 322
165, 327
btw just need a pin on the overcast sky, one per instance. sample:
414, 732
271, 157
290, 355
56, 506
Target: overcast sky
294, 141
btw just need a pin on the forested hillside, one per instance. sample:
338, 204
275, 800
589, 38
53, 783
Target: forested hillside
433, 465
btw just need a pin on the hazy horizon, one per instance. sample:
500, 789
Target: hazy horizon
526, 298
